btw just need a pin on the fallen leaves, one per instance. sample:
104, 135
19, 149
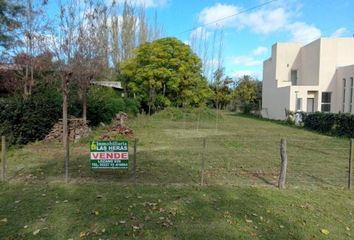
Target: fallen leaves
36, 232
325, 231
82, 234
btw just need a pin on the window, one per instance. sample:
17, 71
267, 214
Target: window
326, 102
343, 102
294, 77
351, 94
298, 104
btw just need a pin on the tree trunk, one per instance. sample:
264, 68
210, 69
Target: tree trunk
31, 83
84, 103
25, 86
65, 126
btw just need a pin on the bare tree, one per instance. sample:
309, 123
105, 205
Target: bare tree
143, 33
64, 44
27, 43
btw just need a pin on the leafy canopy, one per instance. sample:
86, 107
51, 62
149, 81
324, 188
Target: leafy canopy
165, 73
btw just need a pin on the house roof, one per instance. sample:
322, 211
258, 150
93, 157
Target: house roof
112, 84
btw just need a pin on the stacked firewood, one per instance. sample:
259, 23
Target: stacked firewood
119, 127
77, 128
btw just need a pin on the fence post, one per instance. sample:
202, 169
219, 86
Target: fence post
3, 158
350, 172
203, 163
284, 164
134, 160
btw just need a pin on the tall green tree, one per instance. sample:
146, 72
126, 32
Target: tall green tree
221, 89
9, 13
248, 93
164, 73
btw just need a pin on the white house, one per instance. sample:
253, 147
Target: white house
313, 77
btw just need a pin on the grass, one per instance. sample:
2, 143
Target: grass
239, 201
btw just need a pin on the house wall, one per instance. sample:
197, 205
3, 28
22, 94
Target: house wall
317, 64
276, 80
309, 64
335, 53
346, 73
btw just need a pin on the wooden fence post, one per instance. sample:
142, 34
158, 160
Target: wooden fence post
284, 164
134, 160
3, 159
203, 163
350, 172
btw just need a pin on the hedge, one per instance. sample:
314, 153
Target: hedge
337, 124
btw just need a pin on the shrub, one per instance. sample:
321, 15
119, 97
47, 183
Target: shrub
131, 106
330, 123
30, 119
103, 104
345, 125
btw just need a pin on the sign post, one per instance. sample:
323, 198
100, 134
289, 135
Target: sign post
109, 154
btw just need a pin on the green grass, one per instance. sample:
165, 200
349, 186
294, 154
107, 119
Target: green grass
240, 199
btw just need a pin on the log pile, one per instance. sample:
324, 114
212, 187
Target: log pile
119, 127
77, 129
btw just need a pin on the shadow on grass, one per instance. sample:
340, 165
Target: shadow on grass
243, 214
110, 211
260, 176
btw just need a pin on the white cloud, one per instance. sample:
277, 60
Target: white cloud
241, 73
247, 61
265, 21
218, 15
261, 21
269, 19
303, 33
145, 3
340, 32
259, 51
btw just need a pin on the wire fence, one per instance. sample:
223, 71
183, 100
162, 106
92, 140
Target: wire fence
184, 154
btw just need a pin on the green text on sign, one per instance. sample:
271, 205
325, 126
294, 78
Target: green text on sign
109, 154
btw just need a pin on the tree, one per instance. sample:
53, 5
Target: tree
247, 93
164, 73
221, 89
9, 12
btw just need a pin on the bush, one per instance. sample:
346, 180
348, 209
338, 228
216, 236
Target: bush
330, 123
345, 125
30, 119
103, 104
131, 106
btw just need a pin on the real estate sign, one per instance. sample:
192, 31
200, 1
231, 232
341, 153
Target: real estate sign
109, 154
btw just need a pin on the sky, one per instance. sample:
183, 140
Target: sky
250, 27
